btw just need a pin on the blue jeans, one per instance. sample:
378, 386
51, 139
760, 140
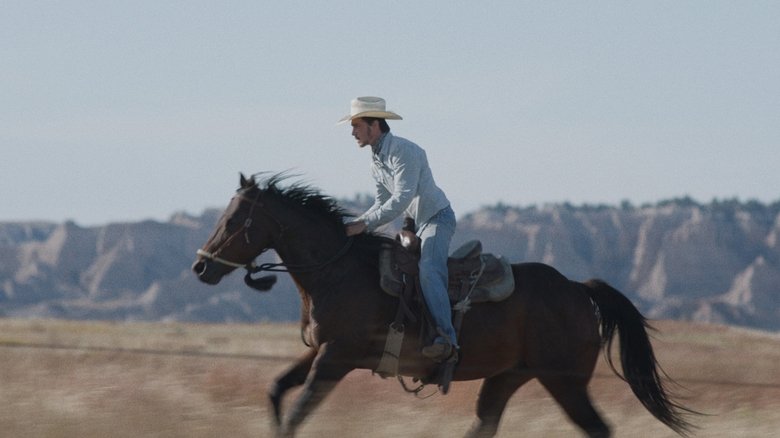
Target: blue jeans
435, 236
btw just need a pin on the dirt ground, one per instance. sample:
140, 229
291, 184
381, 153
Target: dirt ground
97, 379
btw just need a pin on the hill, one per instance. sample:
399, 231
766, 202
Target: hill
717, 262
97, 379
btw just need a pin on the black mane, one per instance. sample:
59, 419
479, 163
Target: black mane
300, 195
312, 201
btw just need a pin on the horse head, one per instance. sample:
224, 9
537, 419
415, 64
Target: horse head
241, 234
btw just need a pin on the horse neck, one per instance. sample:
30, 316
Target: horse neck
307, 250
306, 242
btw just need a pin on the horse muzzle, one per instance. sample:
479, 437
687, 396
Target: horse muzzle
206, 272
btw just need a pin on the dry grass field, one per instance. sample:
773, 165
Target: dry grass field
96, 379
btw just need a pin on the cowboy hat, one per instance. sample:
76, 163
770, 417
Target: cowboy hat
368, 106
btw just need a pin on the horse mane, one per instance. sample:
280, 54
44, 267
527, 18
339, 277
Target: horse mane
298, 194
310, 199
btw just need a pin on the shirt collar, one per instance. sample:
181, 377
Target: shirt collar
376, 149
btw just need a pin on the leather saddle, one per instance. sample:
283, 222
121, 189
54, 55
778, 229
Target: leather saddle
475, 275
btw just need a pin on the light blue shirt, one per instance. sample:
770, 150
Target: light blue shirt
404, 184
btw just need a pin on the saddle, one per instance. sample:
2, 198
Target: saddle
473, 275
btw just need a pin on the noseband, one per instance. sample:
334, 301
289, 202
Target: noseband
213, 257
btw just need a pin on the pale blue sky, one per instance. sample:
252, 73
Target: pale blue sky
128, 110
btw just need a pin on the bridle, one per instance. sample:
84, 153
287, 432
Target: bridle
244, 229
253, 268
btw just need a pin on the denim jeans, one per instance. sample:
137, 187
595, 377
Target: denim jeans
435, 236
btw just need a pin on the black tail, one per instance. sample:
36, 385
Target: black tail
640, 367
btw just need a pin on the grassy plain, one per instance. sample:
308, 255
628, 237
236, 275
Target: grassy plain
99, 379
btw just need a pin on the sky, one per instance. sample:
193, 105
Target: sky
115, 111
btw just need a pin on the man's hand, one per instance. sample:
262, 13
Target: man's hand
357, 227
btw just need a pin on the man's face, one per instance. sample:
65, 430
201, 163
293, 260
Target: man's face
364, 133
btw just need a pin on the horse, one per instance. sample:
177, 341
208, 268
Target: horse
551, 328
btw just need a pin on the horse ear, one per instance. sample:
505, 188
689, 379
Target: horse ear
245, 183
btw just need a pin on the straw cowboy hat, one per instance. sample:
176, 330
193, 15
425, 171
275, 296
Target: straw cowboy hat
368, 106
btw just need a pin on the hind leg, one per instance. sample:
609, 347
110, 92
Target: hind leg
493, 397
572, 395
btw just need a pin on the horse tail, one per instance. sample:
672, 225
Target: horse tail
640, 367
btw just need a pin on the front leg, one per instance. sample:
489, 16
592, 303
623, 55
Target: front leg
292, 377
330, 366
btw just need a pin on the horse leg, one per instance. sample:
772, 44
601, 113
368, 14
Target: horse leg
493, 397
329, 367
292, 377
572, 395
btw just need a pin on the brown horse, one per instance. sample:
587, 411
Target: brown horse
551, 329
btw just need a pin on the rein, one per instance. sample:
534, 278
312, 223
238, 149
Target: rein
311, 267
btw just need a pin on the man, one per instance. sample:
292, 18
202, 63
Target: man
404, 183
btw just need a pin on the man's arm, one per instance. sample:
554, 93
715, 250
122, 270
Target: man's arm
405, 181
